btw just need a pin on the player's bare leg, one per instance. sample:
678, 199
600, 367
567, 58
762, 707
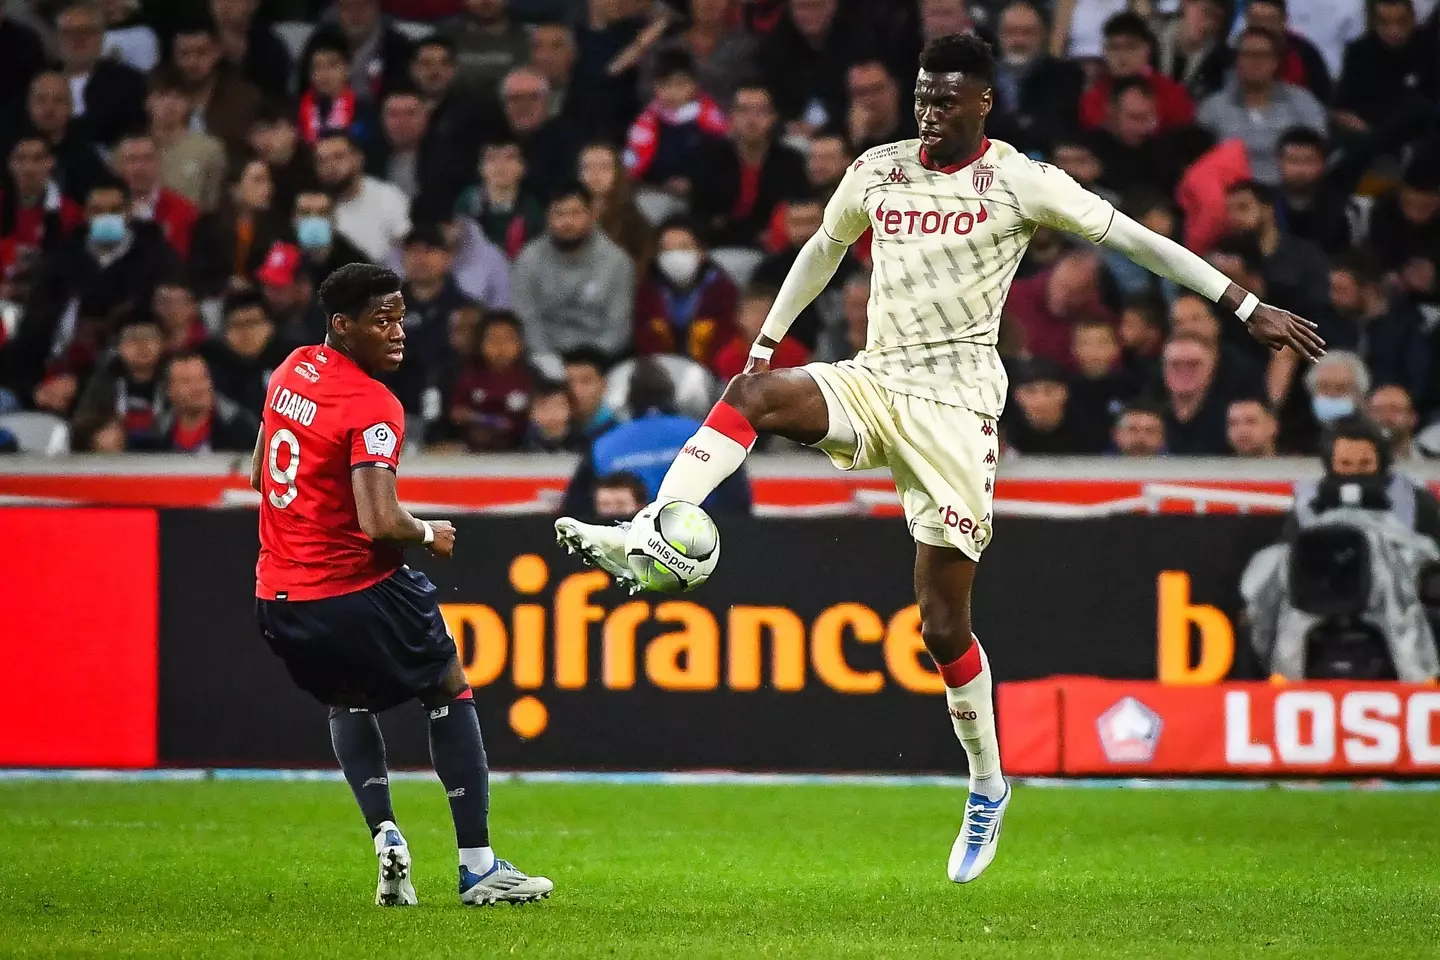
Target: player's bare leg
943, 580
355, 735
783, 402
458, 753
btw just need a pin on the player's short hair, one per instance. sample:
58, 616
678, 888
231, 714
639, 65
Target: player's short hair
1301, 137
586, 357
624, 480
1128, 24
1125, 85
349, 290
959, 53
572, 190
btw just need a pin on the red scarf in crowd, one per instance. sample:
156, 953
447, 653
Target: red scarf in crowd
339, 117
645, 134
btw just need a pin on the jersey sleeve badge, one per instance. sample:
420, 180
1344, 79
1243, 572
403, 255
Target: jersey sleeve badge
380, 441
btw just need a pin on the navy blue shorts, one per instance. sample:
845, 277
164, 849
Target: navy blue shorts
371, 649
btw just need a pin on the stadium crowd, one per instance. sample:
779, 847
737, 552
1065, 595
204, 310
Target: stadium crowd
567, 186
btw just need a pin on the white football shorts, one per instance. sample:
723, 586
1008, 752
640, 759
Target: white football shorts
942, 457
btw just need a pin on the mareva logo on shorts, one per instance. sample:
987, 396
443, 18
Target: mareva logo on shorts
979, 531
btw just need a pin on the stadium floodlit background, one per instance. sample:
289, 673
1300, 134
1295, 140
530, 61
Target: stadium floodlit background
1189, 584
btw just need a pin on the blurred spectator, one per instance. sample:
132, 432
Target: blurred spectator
1193, 49
1256, 106
433, 69
585, 375
397, 154
825, 165
230, 244
675, 129
1142, 336
1388, 71
1048, 304
329, 105
138, 163
1250, 428
1156, 213
379, 54
191, 164
1037, 93
844, 341
731, 357
479, 269
1300, 62
1099, 388
22, 56
491, 399
1135, 151
602, 173
1077, 156
553, 53
685, 304
876, 114
724, 54
35, 217
175, 306
1079, 26
1385, 329
457, 125
747, 175
804, 60
246, 353
488, 43
548, 430
128, 39
1309, 206
198, 420
112, 268
1291, 266
1195, 409
646, 445
550, 144
1405, 228
1338, 384
803, 216
107, 96
324, 249
274, 138
508, 213
251, 47
573, 287
431, 297
370, 213
1129, 51
1330, 26
48, 113
222, 103
619, 496
1042, 420
289, 295
442, 435
1236, 372
1390, 406
1140, 430
613, 39
127, 383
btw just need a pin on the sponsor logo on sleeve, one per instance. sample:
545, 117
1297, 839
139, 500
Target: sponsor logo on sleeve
380, 441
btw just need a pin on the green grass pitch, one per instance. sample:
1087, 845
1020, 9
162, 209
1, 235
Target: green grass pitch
272, 869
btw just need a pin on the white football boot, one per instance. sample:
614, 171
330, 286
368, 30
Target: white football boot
502, 883
599, 545
979, 837
394, 888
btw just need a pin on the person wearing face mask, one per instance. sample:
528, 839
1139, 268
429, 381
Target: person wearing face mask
1333, 388
685, 304
323, 249
1036, 92
110, 267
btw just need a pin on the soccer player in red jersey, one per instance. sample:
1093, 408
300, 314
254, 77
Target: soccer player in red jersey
357, 628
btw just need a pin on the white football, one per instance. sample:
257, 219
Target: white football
672, 547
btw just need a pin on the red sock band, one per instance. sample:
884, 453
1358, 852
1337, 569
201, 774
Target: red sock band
727, 421
964, 670
466, 694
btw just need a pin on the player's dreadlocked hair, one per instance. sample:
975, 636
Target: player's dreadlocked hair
959, 53
350, 289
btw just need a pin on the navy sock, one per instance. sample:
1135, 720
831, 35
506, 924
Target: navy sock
459, 757
361, 751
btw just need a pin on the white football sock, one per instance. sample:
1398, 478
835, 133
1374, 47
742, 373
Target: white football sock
477, 860
972, 711
716, 450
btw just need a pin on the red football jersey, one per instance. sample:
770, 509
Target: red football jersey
323, 417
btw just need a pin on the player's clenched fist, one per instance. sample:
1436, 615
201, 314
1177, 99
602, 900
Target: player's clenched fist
444, 543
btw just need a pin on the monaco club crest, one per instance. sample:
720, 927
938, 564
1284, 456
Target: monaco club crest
984, 176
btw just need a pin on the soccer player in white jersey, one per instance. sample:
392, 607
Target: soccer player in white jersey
952, 214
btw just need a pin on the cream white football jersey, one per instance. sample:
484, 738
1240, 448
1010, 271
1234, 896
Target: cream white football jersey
947, 243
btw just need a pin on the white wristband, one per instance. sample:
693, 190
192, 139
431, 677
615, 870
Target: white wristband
429, 533
1247, 307
761, 353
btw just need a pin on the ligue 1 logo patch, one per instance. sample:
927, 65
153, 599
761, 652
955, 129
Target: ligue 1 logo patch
984, 176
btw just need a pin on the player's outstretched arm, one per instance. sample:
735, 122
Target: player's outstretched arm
382, 518
1275, 328
818, 260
